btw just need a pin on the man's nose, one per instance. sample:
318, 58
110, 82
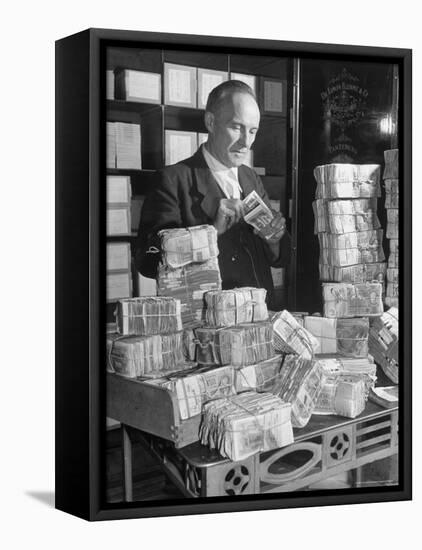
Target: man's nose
246, 139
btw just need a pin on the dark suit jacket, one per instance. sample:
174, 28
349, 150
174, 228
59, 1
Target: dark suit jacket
186, 194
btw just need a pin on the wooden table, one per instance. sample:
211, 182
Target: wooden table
327, 446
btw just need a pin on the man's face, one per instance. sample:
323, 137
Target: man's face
232, 129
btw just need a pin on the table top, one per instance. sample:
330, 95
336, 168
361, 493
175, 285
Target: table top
201, 456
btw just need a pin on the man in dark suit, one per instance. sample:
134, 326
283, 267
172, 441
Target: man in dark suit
208, 188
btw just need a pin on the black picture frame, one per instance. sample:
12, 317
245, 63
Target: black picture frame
80, 285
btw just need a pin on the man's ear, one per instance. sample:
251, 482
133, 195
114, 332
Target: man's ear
209, 121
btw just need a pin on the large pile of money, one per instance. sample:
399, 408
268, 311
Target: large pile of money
349, 300
391, 182
384, 342
347, 181
342, 394
188, 284
291, 337
258, 214
148, 315
240, 345
194, 388
261, 377
300, 384
245, 424
347, 337
180, 247
226, 308
139, 356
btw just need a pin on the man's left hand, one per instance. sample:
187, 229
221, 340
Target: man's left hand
278, 225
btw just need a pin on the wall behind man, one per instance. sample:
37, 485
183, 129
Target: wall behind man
27, 102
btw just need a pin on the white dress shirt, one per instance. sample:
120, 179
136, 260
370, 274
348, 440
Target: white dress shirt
227, 178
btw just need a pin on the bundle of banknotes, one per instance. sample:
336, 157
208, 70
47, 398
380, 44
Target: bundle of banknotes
138, 356
361, 247
393, 258
347, 181
183, 246
258, 214
345, 216
348, 300
194, 388
384, 342
387, 396
261, 377
343, 395
363, 367
291, 337
226, 308
189, 284
391, 169
189, 340
360, 273
347, 337
392, 223
244, 344
300, 384
245, 424
148, 315
391, 193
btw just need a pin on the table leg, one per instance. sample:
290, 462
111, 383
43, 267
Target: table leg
127, 464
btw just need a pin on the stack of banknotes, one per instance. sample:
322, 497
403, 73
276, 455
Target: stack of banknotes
196, 387
300, 384
145, 356
391, 182
148, 315
360, 273
291, 337
245, 424
226, 308
244, 344
349, 249
189, 268
258, 214
180, 247
343, 395
384, 342
345, 216
347, 181
188, 284
261, 377
349, 300
363, 367
347, 337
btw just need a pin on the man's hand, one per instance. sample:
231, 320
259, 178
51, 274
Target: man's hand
230, 212
278, 225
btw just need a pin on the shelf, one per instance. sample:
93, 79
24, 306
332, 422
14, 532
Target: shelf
140, 108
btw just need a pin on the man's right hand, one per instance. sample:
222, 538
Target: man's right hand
230, 212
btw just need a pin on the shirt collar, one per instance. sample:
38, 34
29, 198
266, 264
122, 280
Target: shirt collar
215, 165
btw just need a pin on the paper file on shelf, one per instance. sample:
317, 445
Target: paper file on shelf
347, 181
208, 80
110, 145
109, 84
239, 305
118, 257
138, 86
179, 145
118, 286
117, 221
118, 190
180, 85
128, 145
349, 300
248, 79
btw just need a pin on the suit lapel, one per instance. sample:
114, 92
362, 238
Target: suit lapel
207, 186
246, 180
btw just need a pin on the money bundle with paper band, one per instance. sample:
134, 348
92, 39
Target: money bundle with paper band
349, 300
392, 223
258, 214
348, 337
349, 216
321, 221
360, 273
188, 284
138, 356
183, 246
231, 307
347, 181
193, 389
189, 341
384, 342
393, 258
300, 384
261, 377
240, 345
343, 395
291, 337
391, 169
245, 424
363, 367
391, 193
361, 247
148, 315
